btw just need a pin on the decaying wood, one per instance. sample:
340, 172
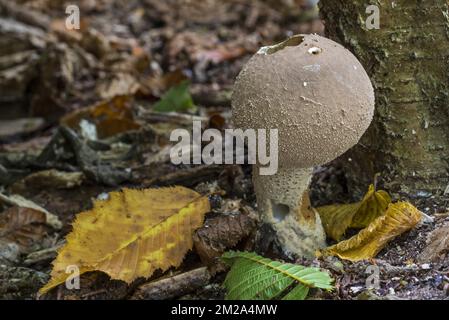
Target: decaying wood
173, 287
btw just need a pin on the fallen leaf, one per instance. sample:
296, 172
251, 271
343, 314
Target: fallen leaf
220, 54
438, 245
399, 218
337, 218
17, 200
119, 84
177, 99
10, 128
23, 226
132, 234
110, 117
159, 84
54, 179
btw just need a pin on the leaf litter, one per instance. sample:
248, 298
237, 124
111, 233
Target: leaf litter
89, 113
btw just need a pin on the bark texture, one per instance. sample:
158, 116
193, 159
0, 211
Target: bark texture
408, 62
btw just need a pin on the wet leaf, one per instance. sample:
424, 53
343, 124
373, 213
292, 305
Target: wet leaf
176, 99
132, 234
337, 218
399, 218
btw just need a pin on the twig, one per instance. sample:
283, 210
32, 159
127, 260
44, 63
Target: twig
173, 287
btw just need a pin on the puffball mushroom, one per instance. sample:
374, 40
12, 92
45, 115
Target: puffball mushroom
319, 97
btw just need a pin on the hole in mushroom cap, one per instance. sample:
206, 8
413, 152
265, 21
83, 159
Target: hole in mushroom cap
290, 42
280, 211
315, 50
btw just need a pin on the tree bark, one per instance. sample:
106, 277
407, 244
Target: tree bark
408, 62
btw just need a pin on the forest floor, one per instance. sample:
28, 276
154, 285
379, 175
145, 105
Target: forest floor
126, 57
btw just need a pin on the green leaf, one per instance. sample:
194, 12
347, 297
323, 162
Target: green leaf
300, 292
255, 277
177, 99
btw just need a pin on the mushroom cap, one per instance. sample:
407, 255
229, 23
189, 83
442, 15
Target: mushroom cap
313, 90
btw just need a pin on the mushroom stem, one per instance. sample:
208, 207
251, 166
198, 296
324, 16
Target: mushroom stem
282, 204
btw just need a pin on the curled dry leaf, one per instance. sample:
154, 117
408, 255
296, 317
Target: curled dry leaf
338, 218
132, 234
399, 218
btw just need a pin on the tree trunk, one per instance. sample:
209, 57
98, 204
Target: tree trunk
408, 62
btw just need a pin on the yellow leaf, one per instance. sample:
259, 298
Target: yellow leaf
400, 217
132, 234
338, 218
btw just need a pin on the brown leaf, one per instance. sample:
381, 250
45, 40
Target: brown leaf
53, 179
10, 128
110, 117
118, 84
438, 245
157, 85
24, 226
17, 200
